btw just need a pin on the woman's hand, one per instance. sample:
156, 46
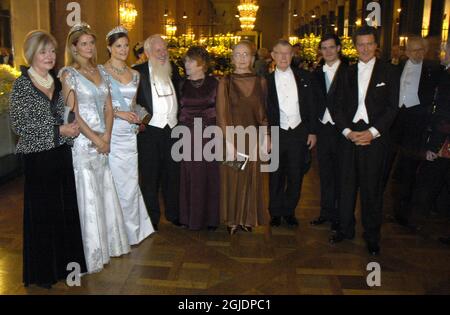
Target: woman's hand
131, 117
104, 137
102, 143
102, 147
70, 130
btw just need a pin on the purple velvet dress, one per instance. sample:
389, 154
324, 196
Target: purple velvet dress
199, 180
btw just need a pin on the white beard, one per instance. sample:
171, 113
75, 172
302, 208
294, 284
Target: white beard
161, 73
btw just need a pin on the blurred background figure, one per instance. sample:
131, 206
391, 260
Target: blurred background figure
417, 88
296, 59
263, 63
5, 56
434, 174
139, 54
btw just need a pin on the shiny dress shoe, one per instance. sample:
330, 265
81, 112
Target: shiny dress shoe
339, 237
232, 229
155, 227
291, 221
275, 221
445, 240
318, 221
212, 228
373, 248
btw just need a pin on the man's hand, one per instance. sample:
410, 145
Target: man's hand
362, 138
312, 140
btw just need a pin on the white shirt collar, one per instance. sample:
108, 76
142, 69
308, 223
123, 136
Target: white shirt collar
371, 63
288, 71
409, 63
333, 68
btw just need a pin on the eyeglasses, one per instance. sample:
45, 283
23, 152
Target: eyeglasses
243, 55
163, 90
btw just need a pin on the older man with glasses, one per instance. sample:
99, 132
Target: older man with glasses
418, 83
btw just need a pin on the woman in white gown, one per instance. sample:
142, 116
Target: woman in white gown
102, 224
123, 158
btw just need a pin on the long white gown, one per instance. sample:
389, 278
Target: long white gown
102, 224
123, 161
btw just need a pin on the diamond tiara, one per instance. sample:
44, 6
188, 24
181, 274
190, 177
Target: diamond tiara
117, 30
78, 27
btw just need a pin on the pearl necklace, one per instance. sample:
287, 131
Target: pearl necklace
44, 82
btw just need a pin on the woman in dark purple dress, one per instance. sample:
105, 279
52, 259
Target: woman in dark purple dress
199, 180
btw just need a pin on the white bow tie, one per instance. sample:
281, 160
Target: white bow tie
327, 68
364, 66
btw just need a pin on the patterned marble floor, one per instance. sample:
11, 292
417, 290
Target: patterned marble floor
265, 262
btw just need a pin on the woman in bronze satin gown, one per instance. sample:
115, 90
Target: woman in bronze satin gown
241, 102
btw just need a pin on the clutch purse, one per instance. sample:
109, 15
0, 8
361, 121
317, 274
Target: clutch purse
444, 152
238, 165
69, 114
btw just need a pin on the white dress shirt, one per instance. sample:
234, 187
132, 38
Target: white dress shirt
365, 71
409, 84
288, 99
330, 72
165, 107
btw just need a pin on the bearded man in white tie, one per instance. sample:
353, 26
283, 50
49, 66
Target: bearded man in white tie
364, 115
157, 94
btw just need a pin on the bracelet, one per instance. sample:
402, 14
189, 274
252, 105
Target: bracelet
115, 110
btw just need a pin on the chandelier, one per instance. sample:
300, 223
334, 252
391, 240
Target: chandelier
247, 11
128, 14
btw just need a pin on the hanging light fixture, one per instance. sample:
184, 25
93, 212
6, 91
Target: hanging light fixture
247, 12
128, 14
166, 12
185, 15
295, 13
